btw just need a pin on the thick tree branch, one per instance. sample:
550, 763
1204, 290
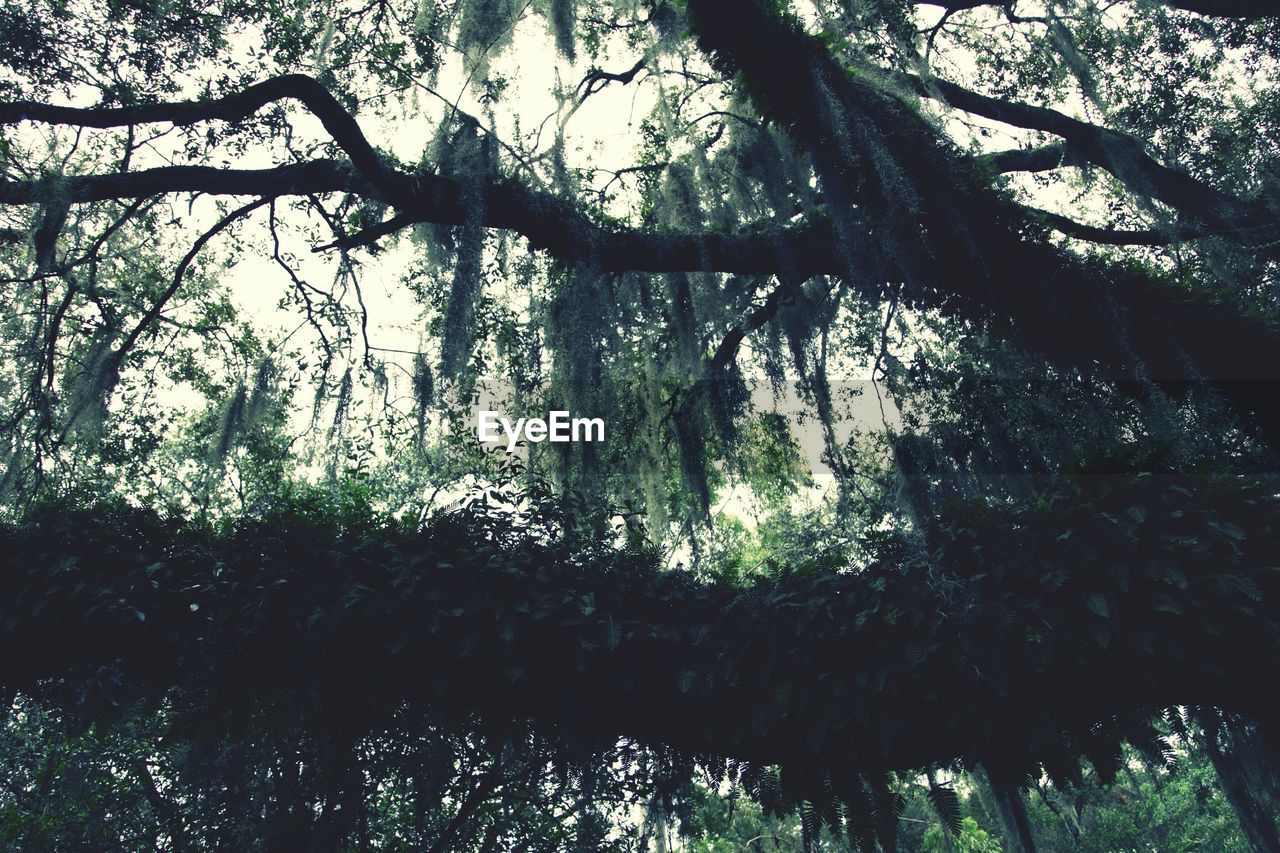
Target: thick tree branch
1117, 237
337, 121
1121, 155
962, 5
963, 247
1251, 224
1042, 159
318, 176
548, 222
938, 227
806, 251
1228, 8
596, 79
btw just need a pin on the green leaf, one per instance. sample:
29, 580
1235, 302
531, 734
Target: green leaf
613, 634
946, 803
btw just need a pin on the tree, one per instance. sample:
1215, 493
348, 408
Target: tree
1045, 231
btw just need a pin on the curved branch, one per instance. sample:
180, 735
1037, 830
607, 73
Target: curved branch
337, 121
154, 312
1228, 8
1116, 237
1043, 159
962, 247
952, 6
766, 311
1251, 224
369, 237
548, 222
596, 79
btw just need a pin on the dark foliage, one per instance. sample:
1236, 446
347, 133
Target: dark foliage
1052, 632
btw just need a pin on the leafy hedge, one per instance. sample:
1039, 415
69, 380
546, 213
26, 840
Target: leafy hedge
1015, 636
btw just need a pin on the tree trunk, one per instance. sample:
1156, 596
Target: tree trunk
1012, 810
1247, 781
1066, 813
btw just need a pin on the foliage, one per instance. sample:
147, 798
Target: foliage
530, 621
970, 839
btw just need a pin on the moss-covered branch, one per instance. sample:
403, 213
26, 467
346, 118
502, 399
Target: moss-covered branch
908, 207
904, 207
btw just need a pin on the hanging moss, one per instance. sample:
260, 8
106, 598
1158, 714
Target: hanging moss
90, 388
471, 158
561, 16
727, 399
563, 180
423, 394
341, 409
579, 318
681, 197
430, 23
669, 24
322, 58
687, 424
231, 422
1064, 43
766, 161
318, 400
53, 219
686, 348
485, 27
263, 390
459, 328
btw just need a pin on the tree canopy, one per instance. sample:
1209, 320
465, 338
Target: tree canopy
936, 345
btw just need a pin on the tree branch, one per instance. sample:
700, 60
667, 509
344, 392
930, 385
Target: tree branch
1042, 159
1228, 8
367, 237
596, 79
317, 176
158, 306
1252, 224
337, 121
960, 245
728, 347
1116, 237
548, 222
